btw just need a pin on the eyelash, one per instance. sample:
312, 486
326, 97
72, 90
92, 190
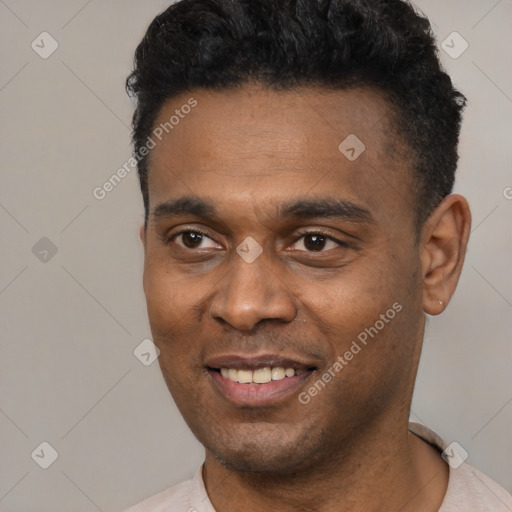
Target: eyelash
195, 231
168, 240
321, 233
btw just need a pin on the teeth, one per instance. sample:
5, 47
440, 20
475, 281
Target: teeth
289, 372
245, 376
262, 375
259, 376
278, 373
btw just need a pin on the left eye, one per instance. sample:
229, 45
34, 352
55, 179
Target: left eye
316, 242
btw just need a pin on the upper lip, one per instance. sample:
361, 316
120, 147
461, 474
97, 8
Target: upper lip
253, 362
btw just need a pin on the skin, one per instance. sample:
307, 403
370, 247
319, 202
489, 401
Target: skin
248, 151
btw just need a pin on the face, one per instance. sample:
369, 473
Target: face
282, 272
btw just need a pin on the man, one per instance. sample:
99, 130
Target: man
296, 161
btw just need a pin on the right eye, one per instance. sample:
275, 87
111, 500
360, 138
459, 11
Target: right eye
192, 239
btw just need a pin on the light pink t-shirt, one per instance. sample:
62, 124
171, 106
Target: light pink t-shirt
468, 490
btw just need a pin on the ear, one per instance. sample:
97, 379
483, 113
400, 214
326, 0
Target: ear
142, 234
444, 239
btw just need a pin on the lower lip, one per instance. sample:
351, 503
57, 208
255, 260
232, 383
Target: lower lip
258, 394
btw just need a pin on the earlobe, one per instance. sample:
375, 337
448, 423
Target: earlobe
142, 234
444, 240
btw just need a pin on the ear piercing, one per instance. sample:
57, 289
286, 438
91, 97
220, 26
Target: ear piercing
441, 303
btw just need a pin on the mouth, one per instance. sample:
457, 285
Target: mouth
258, 381
260, 375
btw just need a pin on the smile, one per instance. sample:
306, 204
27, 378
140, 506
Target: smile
259, 376
257, 381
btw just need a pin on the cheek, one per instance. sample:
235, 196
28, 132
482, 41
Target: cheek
365, 297
176, 308
168, 295
171, 317
365, 286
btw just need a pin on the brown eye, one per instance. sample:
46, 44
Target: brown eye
191, 239
317, 242
314, 242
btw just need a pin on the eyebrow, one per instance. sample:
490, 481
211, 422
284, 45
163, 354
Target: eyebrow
183, 206
299, 208
328, 207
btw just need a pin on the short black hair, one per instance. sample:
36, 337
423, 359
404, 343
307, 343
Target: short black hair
341, 44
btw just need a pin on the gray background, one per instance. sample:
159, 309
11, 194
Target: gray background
71, 321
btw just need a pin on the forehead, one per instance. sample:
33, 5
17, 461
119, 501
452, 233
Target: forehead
252, 142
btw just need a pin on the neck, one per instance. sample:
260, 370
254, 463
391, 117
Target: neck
384, 467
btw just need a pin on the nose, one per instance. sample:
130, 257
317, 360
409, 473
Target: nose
250, 293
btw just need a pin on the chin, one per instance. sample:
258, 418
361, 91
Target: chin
249, 452
246, 461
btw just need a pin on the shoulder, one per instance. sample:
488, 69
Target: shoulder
174, 499
468, 488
